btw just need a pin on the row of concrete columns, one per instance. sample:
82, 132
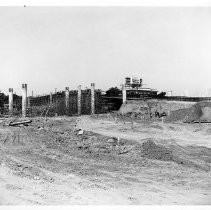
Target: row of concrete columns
67, 99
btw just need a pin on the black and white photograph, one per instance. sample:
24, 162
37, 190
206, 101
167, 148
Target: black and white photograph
105, 105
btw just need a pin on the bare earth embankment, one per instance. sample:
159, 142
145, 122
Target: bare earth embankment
153, 163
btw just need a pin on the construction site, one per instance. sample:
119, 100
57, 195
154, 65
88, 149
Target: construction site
85, 147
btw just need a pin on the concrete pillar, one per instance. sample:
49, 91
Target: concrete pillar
92, 98
124, 94
67, 100
79, 100
24, 99
51, 98
11, 101
29, 102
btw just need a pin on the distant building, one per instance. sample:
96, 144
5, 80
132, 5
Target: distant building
134, 88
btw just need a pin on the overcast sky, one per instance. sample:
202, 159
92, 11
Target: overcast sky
55, 47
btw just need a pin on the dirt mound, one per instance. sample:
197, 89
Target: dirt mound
200, 111
189, 114
175, 111
206, 111
133, 107
135, 110
148, 109
171, 151
153, 151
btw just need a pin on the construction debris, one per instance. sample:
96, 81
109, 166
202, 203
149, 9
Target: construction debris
80, 132
19, 123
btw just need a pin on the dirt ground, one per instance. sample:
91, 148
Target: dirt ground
48, 162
